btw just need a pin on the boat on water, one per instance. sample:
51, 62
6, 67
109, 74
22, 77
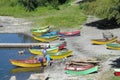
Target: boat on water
27, 63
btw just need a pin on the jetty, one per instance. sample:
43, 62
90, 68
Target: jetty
17, 45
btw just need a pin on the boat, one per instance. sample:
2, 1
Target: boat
40, 31
26, 63
46, 38
40, 51
117, 73
82, 72
73, 33
23, 69
118, 41
60, 54
78, 67
103, 41
117, 69
113, 46
52, 33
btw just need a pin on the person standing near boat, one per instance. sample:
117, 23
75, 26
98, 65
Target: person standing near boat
47, 45
108, 35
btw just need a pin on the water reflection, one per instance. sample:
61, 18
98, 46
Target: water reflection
12, 53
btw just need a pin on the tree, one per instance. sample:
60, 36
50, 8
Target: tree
30, 5
109, 9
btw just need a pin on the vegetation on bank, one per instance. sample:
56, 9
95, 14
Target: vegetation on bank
66, 16
109, 9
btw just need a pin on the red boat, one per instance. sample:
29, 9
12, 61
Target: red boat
62, 46
117, 73
78, 68
73, 33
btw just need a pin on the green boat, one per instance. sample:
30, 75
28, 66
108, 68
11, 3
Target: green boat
82, 72
113, 46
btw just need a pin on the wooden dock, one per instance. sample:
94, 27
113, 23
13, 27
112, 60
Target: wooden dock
17, 45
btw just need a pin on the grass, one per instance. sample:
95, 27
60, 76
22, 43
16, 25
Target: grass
67, 17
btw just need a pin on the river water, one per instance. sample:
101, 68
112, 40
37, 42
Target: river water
6, 68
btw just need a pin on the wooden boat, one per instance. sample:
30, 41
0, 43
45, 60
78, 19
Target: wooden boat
117, 73
23, 69
82, 72
73, 33
60, 54
40, 31
78, 67
40, 52
46, 38
118, 41
26, 63
103, 41
113, 46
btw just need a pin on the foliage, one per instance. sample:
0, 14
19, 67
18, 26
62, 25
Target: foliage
29, 5
103, 8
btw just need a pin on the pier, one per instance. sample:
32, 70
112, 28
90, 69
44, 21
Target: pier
17, 45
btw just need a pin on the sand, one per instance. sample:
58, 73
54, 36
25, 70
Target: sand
80, 45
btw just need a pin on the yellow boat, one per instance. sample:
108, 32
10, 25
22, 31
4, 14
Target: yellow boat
103, 41
40, 31
39, 51
46, 38
113, 46
27, 63
60, 54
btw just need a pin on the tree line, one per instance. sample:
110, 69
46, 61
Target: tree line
109, 9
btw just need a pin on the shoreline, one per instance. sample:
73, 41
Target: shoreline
81, 47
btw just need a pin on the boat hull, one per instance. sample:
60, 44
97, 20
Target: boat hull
60, 55
83, 72
74, 33
39, 51
46, 39
23, 64
113, 46
117, 73
103, 41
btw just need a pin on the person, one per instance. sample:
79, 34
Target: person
40, 59
48, 59
47, 45
107, 35
44, 52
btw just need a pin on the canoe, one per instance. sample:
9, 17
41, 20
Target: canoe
78, 67
73, 33
117, 69
23, 69
113, 46
117, 73
82, 72
26, 63
60, 54
46, 38
103, 41
40, 52
52, 33
40, 31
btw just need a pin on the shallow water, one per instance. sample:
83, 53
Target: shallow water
6, 69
